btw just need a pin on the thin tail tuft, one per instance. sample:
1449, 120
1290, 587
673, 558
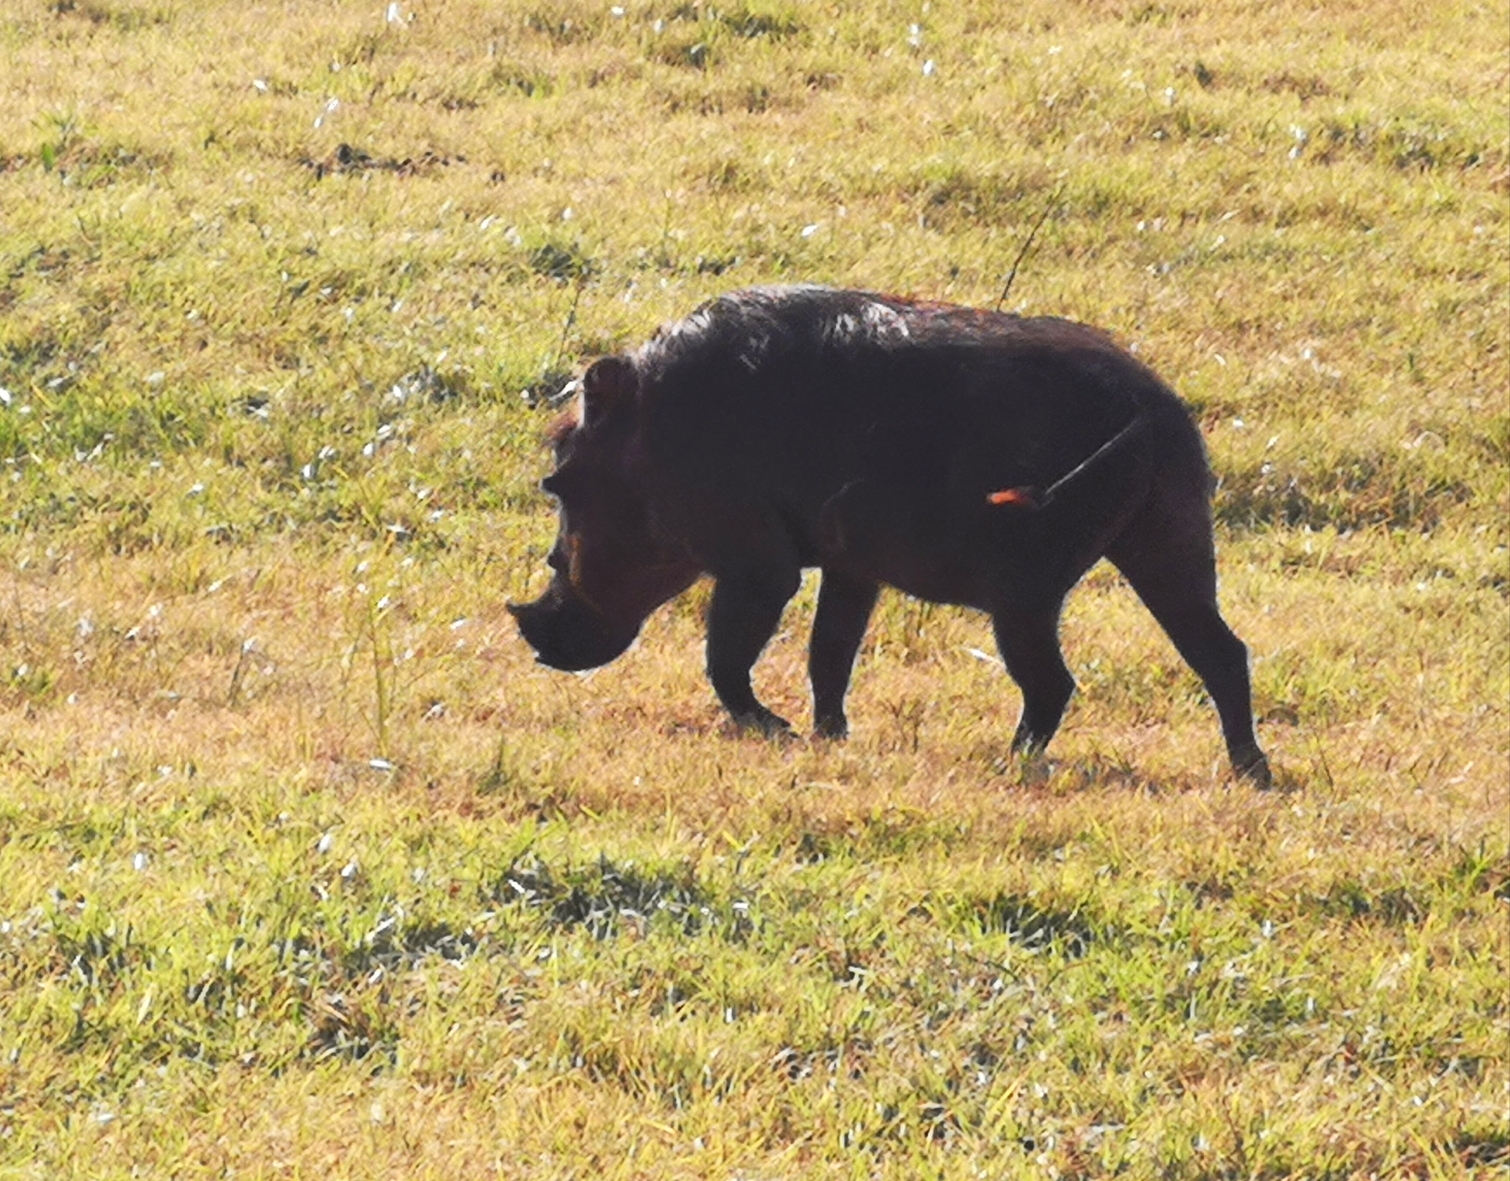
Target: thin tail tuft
1023, 497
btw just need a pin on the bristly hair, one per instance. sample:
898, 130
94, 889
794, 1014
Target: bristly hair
757, 324
761, 323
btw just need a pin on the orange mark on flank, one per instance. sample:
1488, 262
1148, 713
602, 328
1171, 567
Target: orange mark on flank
1011, 496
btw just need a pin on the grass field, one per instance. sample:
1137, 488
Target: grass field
309, 871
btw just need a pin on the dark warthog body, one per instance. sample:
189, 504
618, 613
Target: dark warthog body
961, 456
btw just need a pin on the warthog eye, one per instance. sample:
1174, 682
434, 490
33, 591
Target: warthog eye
564, 482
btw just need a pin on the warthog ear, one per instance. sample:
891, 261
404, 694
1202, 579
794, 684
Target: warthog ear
608, 383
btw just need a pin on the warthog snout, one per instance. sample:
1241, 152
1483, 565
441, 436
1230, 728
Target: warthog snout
566, 633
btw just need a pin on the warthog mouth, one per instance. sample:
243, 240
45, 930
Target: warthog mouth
567, 634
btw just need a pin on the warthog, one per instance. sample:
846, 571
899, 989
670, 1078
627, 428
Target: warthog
961, 456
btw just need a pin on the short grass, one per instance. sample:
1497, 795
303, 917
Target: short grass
309, 872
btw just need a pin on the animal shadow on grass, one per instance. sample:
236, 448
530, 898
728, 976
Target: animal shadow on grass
1105, 771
